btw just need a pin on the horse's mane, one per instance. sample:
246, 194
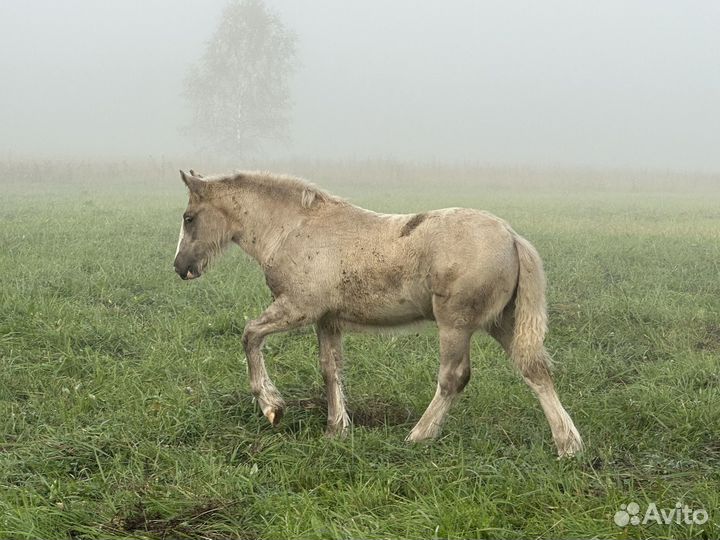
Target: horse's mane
279, 186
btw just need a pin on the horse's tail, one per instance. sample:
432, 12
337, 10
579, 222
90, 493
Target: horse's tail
527, 350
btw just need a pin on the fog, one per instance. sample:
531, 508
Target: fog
602, 84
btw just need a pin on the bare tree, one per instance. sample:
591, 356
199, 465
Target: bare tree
240, 90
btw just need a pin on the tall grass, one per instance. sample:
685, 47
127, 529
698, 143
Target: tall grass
124, 401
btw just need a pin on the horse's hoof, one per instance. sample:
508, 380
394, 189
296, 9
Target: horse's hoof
274, 416
571, 448
420, 437
423, 431
339, 429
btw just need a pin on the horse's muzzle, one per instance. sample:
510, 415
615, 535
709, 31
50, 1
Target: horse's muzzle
190, 275
187, 273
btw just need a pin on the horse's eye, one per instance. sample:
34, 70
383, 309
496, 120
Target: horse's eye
187, 219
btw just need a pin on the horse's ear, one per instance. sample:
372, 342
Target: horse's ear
194, 184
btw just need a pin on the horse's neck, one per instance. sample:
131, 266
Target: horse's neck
265, 226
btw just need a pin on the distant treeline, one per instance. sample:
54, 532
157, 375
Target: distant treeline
363, 174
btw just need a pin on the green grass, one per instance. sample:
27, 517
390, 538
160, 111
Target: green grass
125, 409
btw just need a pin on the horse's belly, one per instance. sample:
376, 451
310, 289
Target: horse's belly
388, 308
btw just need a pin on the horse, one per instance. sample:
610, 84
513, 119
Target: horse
340, 267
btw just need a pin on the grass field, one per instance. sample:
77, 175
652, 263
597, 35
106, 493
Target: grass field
125, 409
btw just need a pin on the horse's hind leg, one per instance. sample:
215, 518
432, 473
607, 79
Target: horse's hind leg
536, 374
330, 344
280, 316
453, 376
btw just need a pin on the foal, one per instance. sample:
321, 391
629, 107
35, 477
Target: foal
338, 266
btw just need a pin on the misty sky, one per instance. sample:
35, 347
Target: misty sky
611, 83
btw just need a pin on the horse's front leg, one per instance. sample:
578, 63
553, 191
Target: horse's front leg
280, 316
330, 344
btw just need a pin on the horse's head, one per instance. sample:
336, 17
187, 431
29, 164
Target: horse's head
204, 231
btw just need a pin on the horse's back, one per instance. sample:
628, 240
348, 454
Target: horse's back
394, 267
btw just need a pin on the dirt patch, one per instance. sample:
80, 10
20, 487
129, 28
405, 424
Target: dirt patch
315, 402
412, 224
375, 412
370, 412
710, 340
187, 524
